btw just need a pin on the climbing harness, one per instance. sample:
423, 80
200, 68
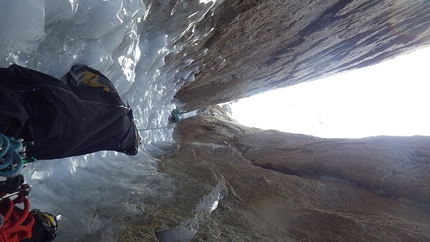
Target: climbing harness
18, 223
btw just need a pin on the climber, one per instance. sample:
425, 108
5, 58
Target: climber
56, 120
83, 116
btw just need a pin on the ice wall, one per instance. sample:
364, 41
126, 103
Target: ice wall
126, 40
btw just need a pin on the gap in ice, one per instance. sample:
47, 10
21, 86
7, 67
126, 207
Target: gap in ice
98, 194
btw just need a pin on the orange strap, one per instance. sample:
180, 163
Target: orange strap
17, 223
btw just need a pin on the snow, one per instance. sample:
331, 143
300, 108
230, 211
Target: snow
98, 194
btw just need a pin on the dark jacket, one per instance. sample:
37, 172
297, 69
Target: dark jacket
62, 120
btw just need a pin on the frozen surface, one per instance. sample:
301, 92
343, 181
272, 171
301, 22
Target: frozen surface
126, 40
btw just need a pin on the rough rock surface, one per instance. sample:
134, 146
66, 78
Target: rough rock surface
389, 166
223, 196
235, 183
257, 46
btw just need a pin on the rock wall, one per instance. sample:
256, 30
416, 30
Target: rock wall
235, 183
256, 46
394, 167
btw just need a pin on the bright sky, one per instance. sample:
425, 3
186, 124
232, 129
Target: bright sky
391, 98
